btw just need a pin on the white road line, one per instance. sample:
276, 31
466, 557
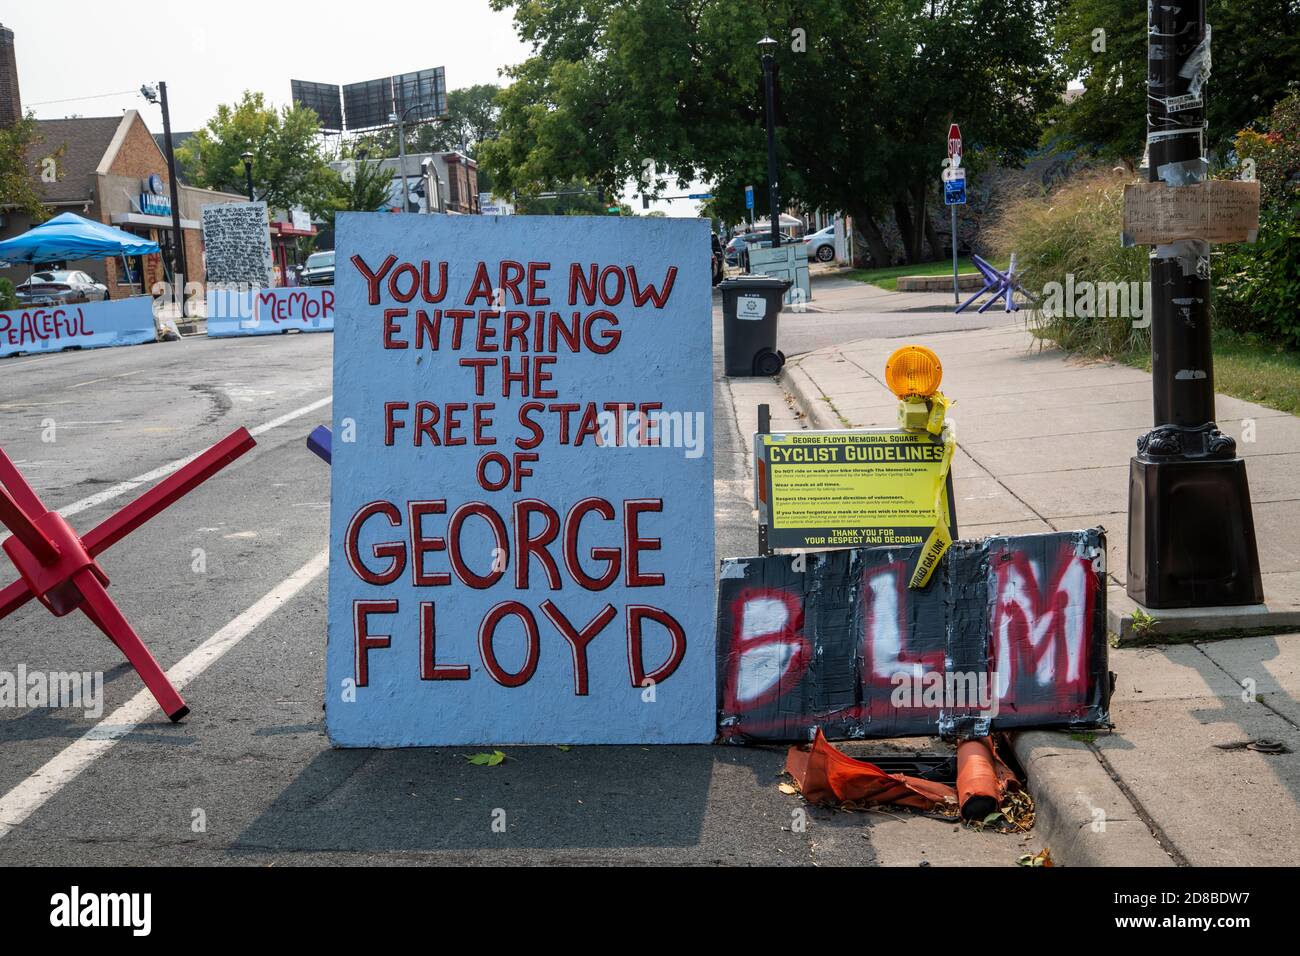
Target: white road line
13, 365
149, 477
277, 422
107, 378
30, 795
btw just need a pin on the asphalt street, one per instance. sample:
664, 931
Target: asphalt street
229, 585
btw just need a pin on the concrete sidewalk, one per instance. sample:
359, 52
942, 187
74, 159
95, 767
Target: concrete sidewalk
1044, 443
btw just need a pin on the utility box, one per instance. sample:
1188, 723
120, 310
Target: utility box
788, 262
751, 305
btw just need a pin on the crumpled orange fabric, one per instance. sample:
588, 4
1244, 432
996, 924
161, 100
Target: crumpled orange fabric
825, 775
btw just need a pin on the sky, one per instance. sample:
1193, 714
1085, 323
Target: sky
207, 60
89, 50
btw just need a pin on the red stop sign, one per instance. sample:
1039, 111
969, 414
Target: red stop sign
954, 144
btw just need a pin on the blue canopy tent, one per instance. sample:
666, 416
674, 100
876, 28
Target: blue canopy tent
70, 236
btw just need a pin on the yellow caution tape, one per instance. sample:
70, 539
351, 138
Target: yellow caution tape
940, 539
939, 405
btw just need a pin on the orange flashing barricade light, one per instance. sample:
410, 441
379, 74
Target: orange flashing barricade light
913, 372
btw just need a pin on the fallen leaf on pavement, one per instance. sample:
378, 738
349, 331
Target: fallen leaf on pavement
1042, 858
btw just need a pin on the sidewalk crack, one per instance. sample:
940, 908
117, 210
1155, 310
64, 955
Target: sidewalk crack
1157, 831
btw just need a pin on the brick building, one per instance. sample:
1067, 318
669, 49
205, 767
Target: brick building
435, 182
109, 169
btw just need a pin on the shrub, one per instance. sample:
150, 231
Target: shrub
1069, 236
1257, 287
8, 298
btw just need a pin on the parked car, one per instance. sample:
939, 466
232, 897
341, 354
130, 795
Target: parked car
738, 248
60, 287
319, 269
820, 245
715, 260
734, 248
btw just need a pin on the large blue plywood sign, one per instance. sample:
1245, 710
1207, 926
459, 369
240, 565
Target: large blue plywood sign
521, 543
90, 325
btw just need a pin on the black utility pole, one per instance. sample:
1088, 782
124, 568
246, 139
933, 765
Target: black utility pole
248, 173
768, 46
178, 237
1191, 530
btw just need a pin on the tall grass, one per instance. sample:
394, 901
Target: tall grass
1073, 230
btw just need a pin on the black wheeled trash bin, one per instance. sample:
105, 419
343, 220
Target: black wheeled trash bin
750, 306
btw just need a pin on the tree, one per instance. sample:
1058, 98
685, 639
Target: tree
869, 87
18, 177
289, 161
365, 187
1255, 53
471, 119
575, 198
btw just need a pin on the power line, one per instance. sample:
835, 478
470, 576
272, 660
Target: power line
75, 99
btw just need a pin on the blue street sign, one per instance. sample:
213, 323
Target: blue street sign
749, 197
700, 196
954, 192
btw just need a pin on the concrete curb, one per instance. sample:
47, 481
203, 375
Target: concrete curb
1082, 816
966, 282
809, 398
1251, 620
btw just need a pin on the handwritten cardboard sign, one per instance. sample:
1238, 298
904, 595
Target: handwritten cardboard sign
522, 482
235, 312
89, 325
237, 244
1215, 211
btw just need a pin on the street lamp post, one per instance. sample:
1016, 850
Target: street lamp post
247, 157
400, 120
159, 96
768, 46
1191, 529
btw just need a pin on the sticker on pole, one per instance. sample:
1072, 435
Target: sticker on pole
954, 187
522, 495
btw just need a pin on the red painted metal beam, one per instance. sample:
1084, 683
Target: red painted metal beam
84, 587
168, 491
24, 528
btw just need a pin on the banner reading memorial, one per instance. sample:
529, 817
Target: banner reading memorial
841, 489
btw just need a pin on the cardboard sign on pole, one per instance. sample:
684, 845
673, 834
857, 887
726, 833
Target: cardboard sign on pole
522, 488
1215, 211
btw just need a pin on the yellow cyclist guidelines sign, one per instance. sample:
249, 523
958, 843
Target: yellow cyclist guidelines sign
860, 488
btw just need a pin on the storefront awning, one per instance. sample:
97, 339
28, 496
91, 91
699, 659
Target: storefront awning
153, 222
